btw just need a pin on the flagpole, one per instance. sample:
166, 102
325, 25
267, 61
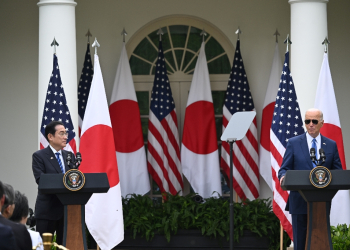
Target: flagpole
96, 45
281, 237
124, 34
54, 44
276, 34
325, 43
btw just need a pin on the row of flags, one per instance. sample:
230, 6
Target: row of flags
281, 120
111, 137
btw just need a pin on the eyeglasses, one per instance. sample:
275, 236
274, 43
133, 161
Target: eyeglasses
314, 121
62, 134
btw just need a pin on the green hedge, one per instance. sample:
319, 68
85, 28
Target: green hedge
340, 237
145, 217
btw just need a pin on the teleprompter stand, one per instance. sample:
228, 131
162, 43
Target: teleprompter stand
235, 131
74, 204
318, 203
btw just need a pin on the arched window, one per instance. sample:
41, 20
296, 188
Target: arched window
181, 45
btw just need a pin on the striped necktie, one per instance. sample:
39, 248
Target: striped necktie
59, 161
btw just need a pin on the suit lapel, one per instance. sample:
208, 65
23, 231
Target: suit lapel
323, 143
305, 150
51, 157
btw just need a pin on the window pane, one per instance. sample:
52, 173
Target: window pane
155, 188
179, 54
144, 125
187, 59
169, 57
224, 184
213, 48
195, 39
178, 35
146, 50
157, 200
139, 67
218, 100
220, 65
165, 39
143, 101
218, 123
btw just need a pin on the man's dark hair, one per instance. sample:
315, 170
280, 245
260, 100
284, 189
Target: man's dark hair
21, 207
9, 196
51, 128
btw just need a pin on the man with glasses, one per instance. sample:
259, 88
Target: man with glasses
51, 160
297, 157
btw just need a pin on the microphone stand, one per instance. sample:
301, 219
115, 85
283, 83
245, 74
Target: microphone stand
231, 141
77, 161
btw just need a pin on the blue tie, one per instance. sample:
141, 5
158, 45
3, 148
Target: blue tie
59, 161
315, 147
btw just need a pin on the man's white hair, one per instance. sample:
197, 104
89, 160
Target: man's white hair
317, 110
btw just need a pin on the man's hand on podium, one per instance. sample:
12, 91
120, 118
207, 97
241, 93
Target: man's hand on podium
281, 180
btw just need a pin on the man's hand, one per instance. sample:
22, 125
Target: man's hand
281, 180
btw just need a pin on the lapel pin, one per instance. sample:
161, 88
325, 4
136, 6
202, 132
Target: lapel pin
51, 158
324, 143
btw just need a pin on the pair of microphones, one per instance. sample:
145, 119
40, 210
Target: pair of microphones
77, 161
322, 158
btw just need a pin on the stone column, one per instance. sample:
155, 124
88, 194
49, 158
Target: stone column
57, 19
308, 30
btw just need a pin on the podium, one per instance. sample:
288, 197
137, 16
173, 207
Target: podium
74, 204
318, 203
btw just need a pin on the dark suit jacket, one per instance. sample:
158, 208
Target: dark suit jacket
48, 206
7, 239
22, 237
297, 157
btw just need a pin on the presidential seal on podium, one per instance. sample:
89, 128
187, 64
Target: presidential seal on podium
74, 180
320, 177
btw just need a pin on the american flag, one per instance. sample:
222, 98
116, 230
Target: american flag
84, 85
245, 152
286, 123
163, 138
56, 109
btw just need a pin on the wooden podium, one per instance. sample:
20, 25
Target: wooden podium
318, 202
74, 204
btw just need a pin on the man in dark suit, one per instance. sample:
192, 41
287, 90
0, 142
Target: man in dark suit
51, 160
18, 237
297, 157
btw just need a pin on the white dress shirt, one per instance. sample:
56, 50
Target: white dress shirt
309, 139
61, 157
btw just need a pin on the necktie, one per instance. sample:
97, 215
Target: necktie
59, 161
313, 145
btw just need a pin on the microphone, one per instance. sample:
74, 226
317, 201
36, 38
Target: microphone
322, 155
79, 160
69, 158
313, 155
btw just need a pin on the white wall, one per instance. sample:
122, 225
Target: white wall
106, 19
